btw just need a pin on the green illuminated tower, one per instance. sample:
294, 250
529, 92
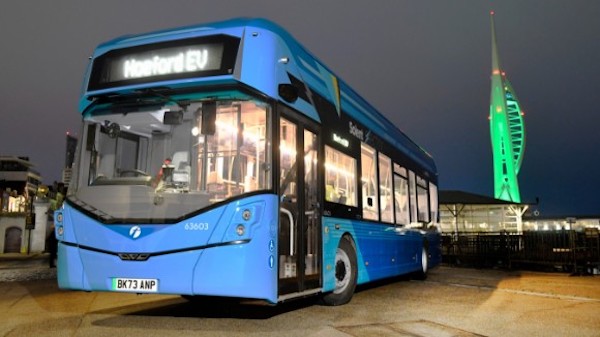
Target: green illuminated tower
507, 130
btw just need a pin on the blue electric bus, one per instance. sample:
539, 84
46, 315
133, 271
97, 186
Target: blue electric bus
225, 160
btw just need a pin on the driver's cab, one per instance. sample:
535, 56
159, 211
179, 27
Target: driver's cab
172, 157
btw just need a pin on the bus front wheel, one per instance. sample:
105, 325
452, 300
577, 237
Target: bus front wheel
345, 274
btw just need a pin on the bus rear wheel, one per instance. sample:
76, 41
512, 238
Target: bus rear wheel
422, 273
345, 274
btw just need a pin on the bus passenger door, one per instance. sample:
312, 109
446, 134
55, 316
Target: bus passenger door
299, 218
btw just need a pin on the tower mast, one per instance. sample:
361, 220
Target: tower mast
507, 130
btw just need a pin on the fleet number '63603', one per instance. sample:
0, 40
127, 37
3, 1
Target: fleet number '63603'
196, 226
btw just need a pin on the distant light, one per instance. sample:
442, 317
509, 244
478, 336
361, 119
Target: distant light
522, 113
68, 133
498, 109
491, 12
503, 74
496, 72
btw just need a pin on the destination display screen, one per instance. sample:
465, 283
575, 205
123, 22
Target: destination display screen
198, 57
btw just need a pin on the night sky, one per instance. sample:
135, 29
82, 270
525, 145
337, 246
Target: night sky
424, 64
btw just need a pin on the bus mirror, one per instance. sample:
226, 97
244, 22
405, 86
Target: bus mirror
209, 118
173, 117
288, 92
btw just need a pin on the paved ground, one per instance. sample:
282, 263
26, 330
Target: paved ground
452, 302
20, 267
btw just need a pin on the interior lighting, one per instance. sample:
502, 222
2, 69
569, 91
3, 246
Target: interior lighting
334, 168
230, 129
284, 149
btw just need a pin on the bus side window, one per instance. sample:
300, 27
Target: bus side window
340, 172
369, 184
330, 193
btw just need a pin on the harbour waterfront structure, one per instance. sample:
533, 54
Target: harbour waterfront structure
507, 130
468, 212
465, 212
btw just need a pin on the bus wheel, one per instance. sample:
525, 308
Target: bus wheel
345, 274
422, 273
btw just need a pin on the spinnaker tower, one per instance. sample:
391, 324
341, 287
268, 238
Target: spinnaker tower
507, 130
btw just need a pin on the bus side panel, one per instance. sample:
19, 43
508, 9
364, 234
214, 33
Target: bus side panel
435, 248
382, 250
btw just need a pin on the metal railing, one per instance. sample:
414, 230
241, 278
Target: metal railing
567, 250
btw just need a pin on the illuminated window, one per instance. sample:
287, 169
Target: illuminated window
287, 159
237, 155
433, 202
401, 195
422, 200
412, 189
385, 189
368, 181
340, 177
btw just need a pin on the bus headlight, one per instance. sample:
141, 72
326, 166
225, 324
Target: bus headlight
60, 230
240, 230
59, 217
246, 214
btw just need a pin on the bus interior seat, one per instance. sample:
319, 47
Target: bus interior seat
181, 173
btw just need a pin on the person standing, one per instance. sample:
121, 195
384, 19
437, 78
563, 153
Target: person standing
52, 246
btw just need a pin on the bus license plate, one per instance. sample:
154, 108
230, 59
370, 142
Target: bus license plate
140, 285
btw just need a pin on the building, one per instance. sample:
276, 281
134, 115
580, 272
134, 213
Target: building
467, 212
18, 186
18, 183
558, 222
71, 148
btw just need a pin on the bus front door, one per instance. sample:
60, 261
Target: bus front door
299, 221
